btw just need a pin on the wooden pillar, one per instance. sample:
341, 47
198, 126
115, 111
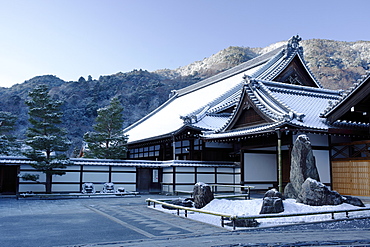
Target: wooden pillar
280, 161
81, 176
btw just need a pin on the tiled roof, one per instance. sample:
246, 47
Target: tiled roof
201, 105
191, 100
346, 94
134, 163
283, 104
258, 129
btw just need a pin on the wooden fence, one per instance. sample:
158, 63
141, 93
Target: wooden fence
351, 177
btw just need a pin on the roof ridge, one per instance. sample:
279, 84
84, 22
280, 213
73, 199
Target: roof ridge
346, 93
297, 115
261, 103
301, 89
193, 115
254, 62
236, 132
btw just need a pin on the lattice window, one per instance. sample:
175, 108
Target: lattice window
359, 150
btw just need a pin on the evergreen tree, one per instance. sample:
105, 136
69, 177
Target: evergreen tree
108, 141
47, 141
8, 144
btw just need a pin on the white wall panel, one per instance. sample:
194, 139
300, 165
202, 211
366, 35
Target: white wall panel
225, 178
225, 170
185, 187
168, 169
73, 167
184, 178
68, 177
206, 169
206, 178
123, 177
322, 158
96, 168
184, 169
65, 187
260, 167
95, 177
123, 168
167, 178
31, 187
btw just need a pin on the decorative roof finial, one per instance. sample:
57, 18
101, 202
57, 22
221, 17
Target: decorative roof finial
293, 45
294, 42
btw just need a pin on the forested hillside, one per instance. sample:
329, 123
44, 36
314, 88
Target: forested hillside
336, 64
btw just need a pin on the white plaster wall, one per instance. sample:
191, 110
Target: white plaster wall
122, 168
68, 177
95, 177
260, 167
124, 177
184, 187
65, 187
96, 168
184, 178
225, 178
205, 169
206, 178
184, 169
322, 158
167, 178
36, 187
225, 170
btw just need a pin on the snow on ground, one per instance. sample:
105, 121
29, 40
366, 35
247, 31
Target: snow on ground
253, 207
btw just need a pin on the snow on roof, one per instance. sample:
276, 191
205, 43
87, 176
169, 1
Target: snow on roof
200, 105
166, 119
284, 104
8, 160
308, 101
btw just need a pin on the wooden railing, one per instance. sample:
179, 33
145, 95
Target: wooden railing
233, 218
246, 195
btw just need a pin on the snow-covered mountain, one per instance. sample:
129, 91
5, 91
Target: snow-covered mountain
337, 64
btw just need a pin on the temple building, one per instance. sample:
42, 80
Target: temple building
252, 114
237, 128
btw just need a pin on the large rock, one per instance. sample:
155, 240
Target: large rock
353, 201
303, 166
179, 202
315, 193
202, 194
272, 202
305, 185
244, 223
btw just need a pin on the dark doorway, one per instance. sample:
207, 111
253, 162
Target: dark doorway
148, 180
8, 180
143, 179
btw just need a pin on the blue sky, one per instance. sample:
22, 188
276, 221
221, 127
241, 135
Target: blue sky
73, 38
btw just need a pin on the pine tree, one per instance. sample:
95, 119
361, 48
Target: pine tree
8, 144
46, 139
108, 141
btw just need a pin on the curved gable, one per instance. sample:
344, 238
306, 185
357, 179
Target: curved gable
296, 73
